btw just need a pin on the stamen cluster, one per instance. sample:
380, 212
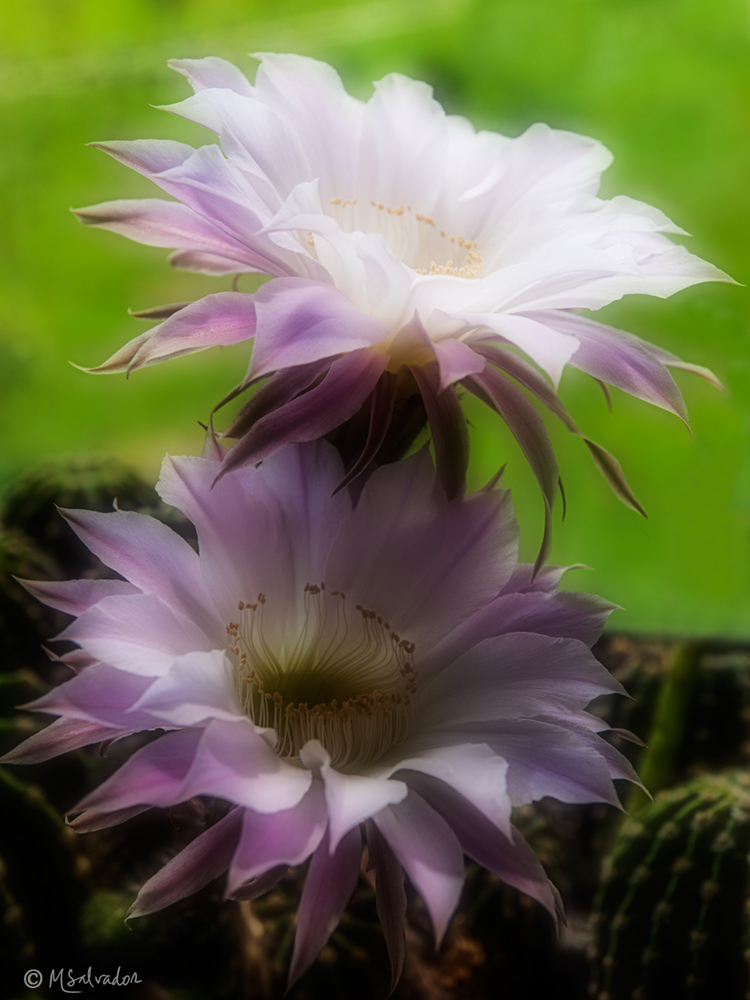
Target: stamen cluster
348, 681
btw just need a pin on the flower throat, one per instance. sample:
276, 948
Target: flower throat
347, 679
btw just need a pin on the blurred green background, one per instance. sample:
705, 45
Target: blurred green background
665, 84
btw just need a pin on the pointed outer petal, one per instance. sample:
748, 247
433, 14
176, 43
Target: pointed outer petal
585, 731
278, 390
381, 411
616, 358
549, 348
101, 695
138, 634
450, 436
472, 769
531, 380
76, 659
529, 431
235, 763
301, 321
611, 469
197, 687
350, 798
283, 838
343, 390
405, 546
59, 737
242, 549
74, 596
260, 885
121, 360
159, 312
672, 361
239, 201
89, 822
212, 72
147, 156
430, 854
546, 581
217, 320
390, 898
159, 223
204, 859
528, 377
456, 359
207, 263
153, 776
153, 558
329, 885
210, 186
512, 861
568, 615
311, 97
512, 676
568, 763
253, 136
282, 523
296, 484
212, 450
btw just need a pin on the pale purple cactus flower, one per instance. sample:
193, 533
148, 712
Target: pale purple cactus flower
409, 253
386, 671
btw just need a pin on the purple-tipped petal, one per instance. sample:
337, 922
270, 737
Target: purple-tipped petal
137, 633
99, 694
204, 859
330, 882
269, 840
511, 860
390, 898
381, 411
160, 223
74, 596
93, 820
303, 321
475, 770
412, 544
197, 687
153, 776
529, 431
450, 436
456, 360
515, 675
151, 556
217, 320
236, 764
260, 885
345, 387
350, 798
620, 360
429, 853
59, 737
568, 615
279, 389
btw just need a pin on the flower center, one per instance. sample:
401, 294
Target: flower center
415, 238
345, 678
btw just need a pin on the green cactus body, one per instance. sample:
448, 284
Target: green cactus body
672, 914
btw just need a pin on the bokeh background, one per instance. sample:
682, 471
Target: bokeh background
665, 85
